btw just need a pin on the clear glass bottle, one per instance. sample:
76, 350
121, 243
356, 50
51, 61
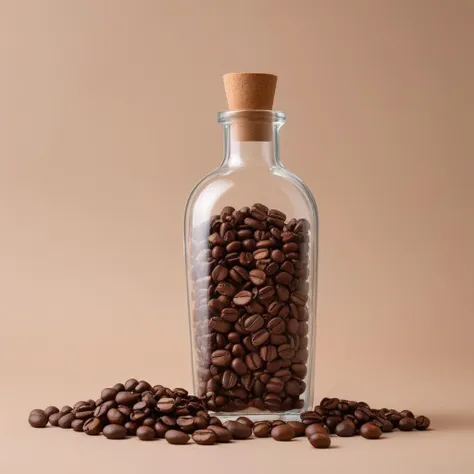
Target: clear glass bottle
251, 238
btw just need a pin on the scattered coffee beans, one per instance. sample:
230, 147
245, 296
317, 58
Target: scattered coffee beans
345, 428
407, 424
262, 429
223, 434
251, 310
115, 431
422, 422
298, 427
145, 433
316, 428
320, 441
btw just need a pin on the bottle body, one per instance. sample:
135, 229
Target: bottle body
251, 237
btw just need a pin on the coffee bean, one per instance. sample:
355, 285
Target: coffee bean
268, 353
257, 277
127, 398
221, 358
283, 432
422, 423
92, 426
320, 441
244, 420
407, 414
219, 273
114, 431
253, 361
51, 410
262, 429
66, 420
176, 437
298, 427
370, 431
275, 385
285, 351
345, 429
78, 425
238, 430
204, 437
363, 414
239, 366
272, 402
145, 433
131, 428
66, 409
54, 419
242, 298
407, 424
223, 435
316, 428
260, 337
39, 419
108, 394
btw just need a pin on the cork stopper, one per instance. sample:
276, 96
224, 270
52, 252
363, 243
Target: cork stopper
251, 91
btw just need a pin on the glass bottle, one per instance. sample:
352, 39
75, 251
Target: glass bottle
251, 237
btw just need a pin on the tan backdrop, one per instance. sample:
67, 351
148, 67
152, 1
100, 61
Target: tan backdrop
107, 120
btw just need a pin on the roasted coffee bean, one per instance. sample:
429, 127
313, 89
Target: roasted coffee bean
131, 428
115, 417
169, 421
223, 435
268, 353
38, 419
145, 433
422, 423
242, 298
260, 337
285, 351
176, 437
149, 422
54, 419
65, 409
316, 428
48, 411
127, 398
370, 431
407, 414
257, 277
363, 414
262, 429
221, 358
165, 405
204, 437
238, 430
298, 427
108, 394
130, 384
275, 385
245, 421
345, 429
320, 441
407, 424
283, 432
114, 431
78, 425
253, 361
219, 273
92, 426
66, 420
239, 366
276, 325
229, 379
186, 423
385, 425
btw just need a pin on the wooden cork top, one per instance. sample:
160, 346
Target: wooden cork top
251, 91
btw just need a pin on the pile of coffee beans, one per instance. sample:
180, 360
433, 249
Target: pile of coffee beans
250, 309
136, 408
347, 418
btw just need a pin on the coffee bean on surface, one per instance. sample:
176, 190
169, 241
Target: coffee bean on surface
422, 423
298, 427
114, 431
145, 433
223, 435
38, 419
283, 432
54, 419
92, 426
204, 437
238, 430
51, 410
131, 428
77, 425
66, 420
245, 421
407, 424
316, 428
320, 441
370, 431
407, 414
176, 437
262, 429
345, 429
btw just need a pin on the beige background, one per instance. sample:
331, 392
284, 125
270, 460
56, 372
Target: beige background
107, 119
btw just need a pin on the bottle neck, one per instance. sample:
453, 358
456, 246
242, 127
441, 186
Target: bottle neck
240, 153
